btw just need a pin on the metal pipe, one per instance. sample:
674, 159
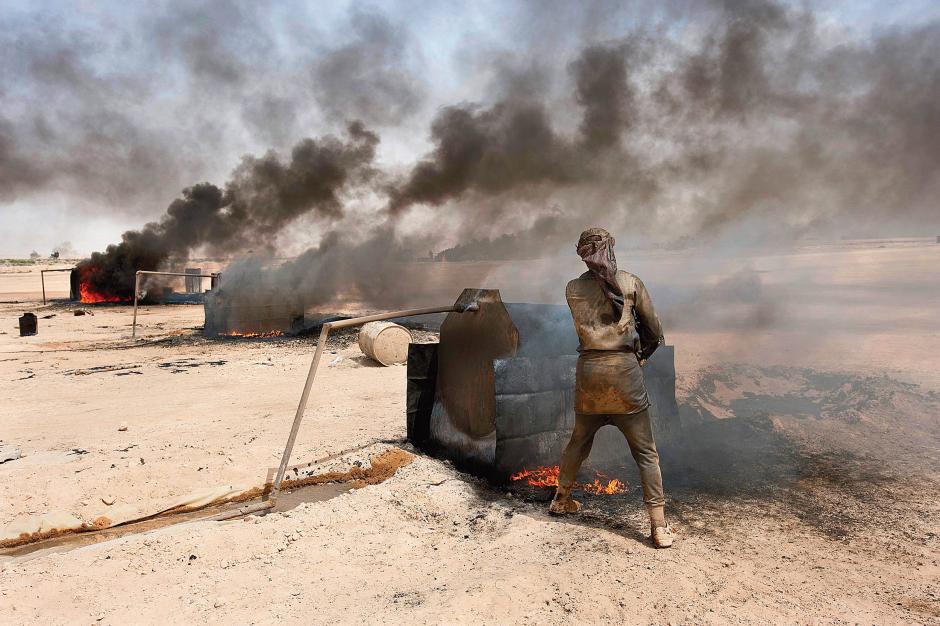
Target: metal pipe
136, 293
241, 511
311, 374
358, 321
299, 415
137, 288
175, 273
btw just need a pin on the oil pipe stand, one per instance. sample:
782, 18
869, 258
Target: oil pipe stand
311, 375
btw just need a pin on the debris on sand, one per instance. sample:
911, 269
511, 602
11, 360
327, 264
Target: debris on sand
382, 467
100, 369
8, 452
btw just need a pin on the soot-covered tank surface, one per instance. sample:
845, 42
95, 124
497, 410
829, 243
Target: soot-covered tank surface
496, 395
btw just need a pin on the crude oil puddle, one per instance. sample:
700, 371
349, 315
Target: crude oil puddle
309, 489
289, 500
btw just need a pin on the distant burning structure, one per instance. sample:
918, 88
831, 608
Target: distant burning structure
266, 315
89, 286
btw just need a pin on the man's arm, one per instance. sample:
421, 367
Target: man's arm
648, 327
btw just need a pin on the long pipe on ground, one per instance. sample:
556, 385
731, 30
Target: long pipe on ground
42, 277
241, 511
311, 374
137, 289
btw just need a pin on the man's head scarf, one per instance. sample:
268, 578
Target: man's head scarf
596, 249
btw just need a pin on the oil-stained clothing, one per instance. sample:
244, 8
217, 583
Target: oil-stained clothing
639, 433
609, 379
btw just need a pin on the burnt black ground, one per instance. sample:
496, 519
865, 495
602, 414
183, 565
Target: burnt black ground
844, 454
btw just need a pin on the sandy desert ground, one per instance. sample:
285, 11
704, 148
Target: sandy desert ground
804, 486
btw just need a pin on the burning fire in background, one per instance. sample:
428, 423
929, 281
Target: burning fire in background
547, 476
513, 170
235, 333
88, 292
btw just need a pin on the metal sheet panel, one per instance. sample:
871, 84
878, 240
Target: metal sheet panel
463, 421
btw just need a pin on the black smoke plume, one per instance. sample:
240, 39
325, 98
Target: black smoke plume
113, 107
743, 112
262, 197
759, 118
513, 144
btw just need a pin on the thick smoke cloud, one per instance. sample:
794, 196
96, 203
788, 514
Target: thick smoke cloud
513, 144
688, 123
756, 115
262, 197
604, 90
367, 78
337, 270
113, 108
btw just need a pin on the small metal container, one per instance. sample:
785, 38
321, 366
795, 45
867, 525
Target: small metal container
29, 325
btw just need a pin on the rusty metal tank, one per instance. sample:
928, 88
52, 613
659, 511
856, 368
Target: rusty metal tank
496, 395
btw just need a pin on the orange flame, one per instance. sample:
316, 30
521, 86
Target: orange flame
235, 333
547, 476
88, 294
598, 487
539, 477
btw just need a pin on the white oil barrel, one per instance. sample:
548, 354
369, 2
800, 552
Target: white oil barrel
385, 342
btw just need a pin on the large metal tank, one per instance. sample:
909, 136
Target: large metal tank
263, 313
497, 394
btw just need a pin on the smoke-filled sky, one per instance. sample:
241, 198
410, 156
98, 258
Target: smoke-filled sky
488, 118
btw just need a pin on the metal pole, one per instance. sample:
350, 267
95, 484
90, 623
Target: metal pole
359, 321
241, 511
299, 415
174, 274
136, 291
311, 374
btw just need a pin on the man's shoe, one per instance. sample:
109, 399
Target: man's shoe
562, 503
663, 536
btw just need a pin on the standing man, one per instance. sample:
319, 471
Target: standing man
619, 330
